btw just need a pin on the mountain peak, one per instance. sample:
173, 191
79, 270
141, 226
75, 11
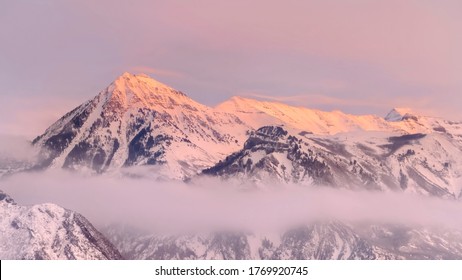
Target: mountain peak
142, 91
399, 114
140, 79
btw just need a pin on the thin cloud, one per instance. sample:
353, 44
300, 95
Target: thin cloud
16, 148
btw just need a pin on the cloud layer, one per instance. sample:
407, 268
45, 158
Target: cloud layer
211, 204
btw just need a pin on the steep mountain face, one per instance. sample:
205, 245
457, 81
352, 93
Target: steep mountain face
48, 231
270, 153
422, 163
139, 121
319, 241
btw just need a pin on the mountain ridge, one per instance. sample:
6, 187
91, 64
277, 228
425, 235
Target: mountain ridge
48, 231
137, 121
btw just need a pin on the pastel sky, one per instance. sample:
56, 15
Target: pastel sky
359, 56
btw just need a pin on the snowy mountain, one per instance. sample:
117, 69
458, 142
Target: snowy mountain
139, 121
48, 231
263, 113
399, 114
417, 163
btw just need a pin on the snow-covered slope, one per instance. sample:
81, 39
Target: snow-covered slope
48, 231
398, 114
263, 113
139, 121
419, 163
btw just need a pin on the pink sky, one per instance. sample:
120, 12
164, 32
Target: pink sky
354, 55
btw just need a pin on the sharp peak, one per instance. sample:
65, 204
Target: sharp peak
140, 90
399, 113
142, 81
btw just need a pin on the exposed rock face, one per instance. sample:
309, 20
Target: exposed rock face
422, 163
270, 153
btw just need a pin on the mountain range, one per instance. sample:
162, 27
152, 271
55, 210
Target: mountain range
137, 122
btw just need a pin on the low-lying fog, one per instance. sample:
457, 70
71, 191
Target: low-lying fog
210, 204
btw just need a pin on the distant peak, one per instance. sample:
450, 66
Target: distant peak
399, 114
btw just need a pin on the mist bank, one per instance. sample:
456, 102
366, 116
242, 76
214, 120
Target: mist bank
212, 204
16, 148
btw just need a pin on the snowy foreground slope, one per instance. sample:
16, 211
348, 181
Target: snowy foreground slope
48, 231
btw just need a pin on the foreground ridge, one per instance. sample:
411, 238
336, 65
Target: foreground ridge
48, 231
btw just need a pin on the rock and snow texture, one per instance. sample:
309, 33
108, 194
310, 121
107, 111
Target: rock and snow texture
139, 121
48, 231
321, 241
417, 163
399, 114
